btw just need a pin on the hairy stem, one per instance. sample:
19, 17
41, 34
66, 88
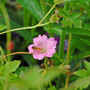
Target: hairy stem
17, 29
14, 54
47, 14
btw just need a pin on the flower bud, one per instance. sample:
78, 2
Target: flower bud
67, 66
10, 46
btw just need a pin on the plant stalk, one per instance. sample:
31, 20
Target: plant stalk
3, 54
61, 45
68, 49
45, 63
47, 14
6, 17
17, 29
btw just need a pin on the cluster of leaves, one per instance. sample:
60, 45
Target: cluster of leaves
6, 73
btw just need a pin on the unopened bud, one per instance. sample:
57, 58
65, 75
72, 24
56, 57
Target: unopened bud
10, 46
56, 12
67, 66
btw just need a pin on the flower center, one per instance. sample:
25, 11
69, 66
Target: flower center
37, 49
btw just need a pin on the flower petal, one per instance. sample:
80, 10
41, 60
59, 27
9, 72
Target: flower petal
50, 53
30, 48
51, 43
40, 39
44, 37
38, 56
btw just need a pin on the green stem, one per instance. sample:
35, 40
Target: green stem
61, 45
68, 48
3, 54
6, 17
67, 80
47, 13
17, 29
45, 63
67, 6
68, 51
14, 54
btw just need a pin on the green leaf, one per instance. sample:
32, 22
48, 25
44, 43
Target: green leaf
87, 65
86, 41
58, 1
73, 1
19, 70
52, 88
10, 67
79, 44
69, 19
2, 27
77, 31
81, 55
33, 6
36, 77
53, 28
81, 84
26, 34
79, 1
81, 73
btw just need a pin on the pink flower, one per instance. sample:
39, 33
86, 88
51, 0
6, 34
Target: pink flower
42, 47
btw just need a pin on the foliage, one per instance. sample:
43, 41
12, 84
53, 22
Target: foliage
2, 27
84, 80
65, 20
